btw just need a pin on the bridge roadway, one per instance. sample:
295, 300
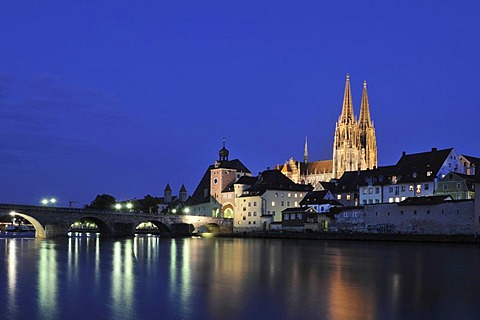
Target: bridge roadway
51, 222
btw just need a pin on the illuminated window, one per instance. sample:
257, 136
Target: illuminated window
295, 195
397, 199
370, 190
419, 188
365, 190
403, 198
429, 173
390, 200
348, 197
289, 195
339, 197
273, 203
410, 187
296, 204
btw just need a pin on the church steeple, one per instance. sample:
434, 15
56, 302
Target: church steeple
366, 131
347, 115
305, 151
364, 119
223, 153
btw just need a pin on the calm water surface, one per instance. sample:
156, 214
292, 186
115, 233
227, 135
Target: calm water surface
198, 278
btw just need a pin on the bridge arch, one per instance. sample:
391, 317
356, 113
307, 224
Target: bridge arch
103, 228
162, 228
208, 228
39, 228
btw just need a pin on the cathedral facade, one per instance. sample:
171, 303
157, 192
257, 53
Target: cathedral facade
354, 144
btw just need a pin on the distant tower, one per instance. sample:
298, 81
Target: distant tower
182, 195
305, 151
346, 140
167, 194
366, 130
223, 153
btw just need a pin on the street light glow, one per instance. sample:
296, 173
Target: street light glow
129, 205
12, 213
53, 200
44, 202
118, 206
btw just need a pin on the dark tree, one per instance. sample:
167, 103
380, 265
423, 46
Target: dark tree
102, 202
148, 204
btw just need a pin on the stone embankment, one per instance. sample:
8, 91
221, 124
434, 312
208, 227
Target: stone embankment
357, 237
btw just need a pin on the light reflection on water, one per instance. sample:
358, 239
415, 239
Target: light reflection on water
196, 278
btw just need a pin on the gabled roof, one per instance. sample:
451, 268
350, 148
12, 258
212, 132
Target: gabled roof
248, 180
234, 164
274, 180
414, 167
415, 201
473, 160
315, 197
200, 195
299, 210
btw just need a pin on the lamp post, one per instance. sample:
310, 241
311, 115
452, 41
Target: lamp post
51, 201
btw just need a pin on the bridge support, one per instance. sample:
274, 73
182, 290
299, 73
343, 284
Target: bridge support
122, 230
55, 230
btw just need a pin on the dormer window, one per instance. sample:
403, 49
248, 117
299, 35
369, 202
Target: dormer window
414, 175
429, 173
394, 179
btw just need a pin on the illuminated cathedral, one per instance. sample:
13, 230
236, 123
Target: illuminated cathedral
354, 146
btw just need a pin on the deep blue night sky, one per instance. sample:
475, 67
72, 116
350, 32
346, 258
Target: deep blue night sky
121, 97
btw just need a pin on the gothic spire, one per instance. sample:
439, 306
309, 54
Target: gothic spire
305, 152
347, 115
364, 119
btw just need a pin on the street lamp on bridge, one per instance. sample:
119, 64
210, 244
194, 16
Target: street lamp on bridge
46, 201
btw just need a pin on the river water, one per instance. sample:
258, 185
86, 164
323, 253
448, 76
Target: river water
222, 278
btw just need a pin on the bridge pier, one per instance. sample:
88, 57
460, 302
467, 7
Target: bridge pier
122, 230
55, 230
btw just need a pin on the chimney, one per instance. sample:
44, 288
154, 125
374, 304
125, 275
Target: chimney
434, 149
403, 153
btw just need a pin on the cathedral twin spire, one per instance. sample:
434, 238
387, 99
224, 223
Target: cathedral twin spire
355, 146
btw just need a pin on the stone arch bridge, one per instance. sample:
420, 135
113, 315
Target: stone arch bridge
51, 222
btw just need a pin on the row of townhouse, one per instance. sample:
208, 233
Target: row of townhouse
436, 172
